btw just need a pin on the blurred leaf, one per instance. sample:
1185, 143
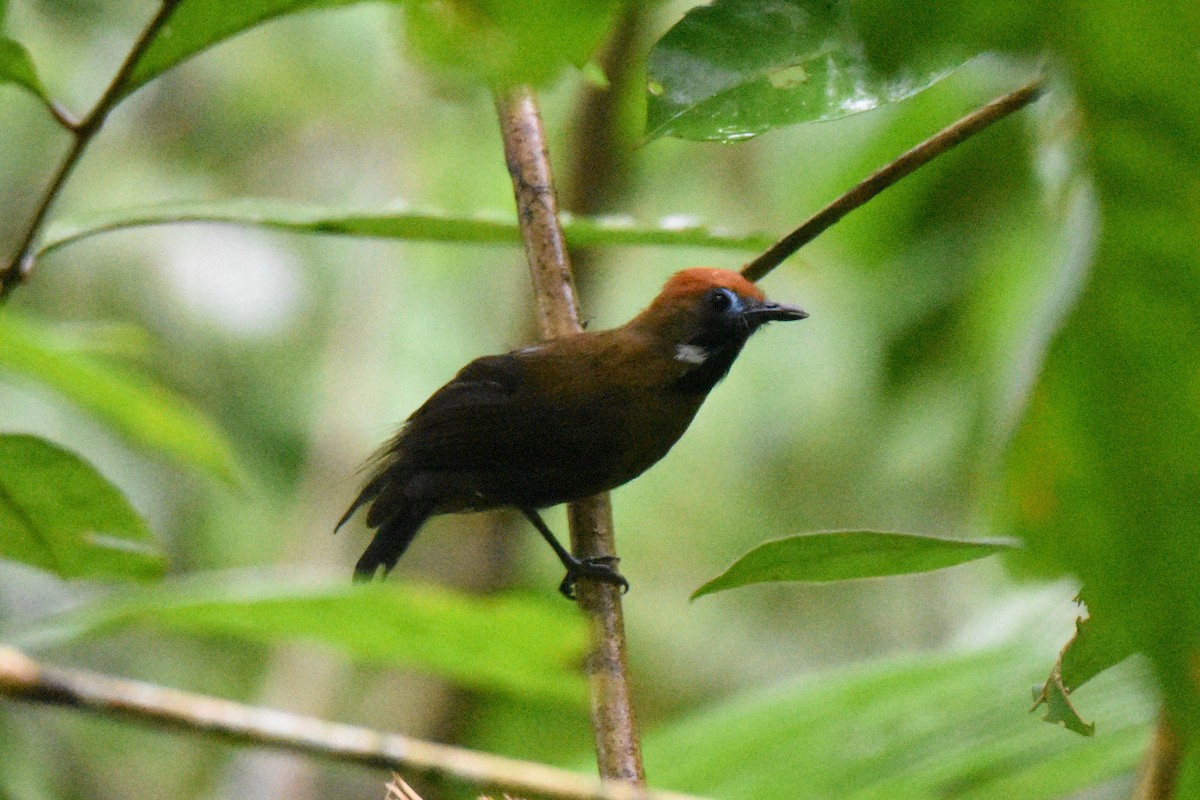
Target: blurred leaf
197, 25
137, 408
17, 67
502, 43
846, 555
526, 646
737, 68
914, 729
57, 513
410, 225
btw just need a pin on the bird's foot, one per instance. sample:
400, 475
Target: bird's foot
599, 568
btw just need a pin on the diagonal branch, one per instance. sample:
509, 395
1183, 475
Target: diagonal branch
82, 133
618, 750
22, 678
903, 166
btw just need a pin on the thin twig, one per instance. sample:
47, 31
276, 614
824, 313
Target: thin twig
22, 678
1158, 775
905, 165
618, 750
82, 133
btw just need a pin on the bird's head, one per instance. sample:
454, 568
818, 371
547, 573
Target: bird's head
707, 315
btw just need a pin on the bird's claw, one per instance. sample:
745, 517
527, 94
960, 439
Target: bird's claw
599, 568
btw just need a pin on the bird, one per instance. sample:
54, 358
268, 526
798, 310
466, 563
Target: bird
561, 420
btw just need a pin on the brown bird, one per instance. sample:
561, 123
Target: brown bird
562, 420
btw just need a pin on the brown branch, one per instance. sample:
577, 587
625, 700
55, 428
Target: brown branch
22, 678
905, 165
82, 133
618, 750
1159, 772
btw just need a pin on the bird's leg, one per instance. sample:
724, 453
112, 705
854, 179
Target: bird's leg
601, 568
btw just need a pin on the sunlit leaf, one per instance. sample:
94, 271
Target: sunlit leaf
16, 67
500, 43
846, 555
527, 646
135, 407
57, 513
912, 729
197, 25
737, 68
403, 224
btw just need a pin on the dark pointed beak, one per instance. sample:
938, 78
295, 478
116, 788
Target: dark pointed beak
768, 311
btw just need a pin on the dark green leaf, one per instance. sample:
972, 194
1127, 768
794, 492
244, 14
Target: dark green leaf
522, 645
845, 555
17, 67
57, 513
410, 225
938, 726
737, 68
138, 409
197, 25
501, 43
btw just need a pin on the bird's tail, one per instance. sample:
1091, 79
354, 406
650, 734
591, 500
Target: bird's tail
392, 538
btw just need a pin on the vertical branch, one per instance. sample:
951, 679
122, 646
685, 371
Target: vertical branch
618, 750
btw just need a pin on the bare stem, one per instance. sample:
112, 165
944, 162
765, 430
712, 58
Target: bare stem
1158, 775
22, 678
905, 165
82, 133
618, 750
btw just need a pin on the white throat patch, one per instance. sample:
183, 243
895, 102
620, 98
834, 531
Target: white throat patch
690, 353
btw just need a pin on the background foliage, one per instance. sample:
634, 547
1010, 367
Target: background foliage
1003, 344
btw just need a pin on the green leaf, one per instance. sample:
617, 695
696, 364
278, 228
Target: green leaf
138, 409
17, 67
937, 726
57, 513
845, 555
522, 645
737, 68
197, 25
408, 225
501, 43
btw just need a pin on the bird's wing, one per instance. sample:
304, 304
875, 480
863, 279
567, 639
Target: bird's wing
494, 415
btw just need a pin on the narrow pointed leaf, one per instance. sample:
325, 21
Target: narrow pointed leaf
526, 646
737, 68
57, 513
846, 555
431, 226
138, 409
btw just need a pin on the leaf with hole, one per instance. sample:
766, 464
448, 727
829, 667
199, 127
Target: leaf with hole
59, 514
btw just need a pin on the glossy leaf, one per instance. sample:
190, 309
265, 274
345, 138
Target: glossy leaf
737, 68
846, 555
499, 43
912, 729
138, 409
403, 224
16, 67
197, 25
525, 646
57, 513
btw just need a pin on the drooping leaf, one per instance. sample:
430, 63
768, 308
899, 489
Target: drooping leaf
138, 409
846, 555
410, 225
196, 25
522, 645
941, 725
500, 43
16, 67
737, 68
57, 513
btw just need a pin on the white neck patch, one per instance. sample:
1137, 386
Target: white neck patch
690, 353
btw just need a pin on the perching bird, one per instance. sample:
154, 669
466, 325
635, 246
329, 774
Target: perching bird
562, 420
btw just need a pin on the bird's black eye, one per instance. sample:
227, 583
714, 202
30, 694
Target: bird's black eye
722, 300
